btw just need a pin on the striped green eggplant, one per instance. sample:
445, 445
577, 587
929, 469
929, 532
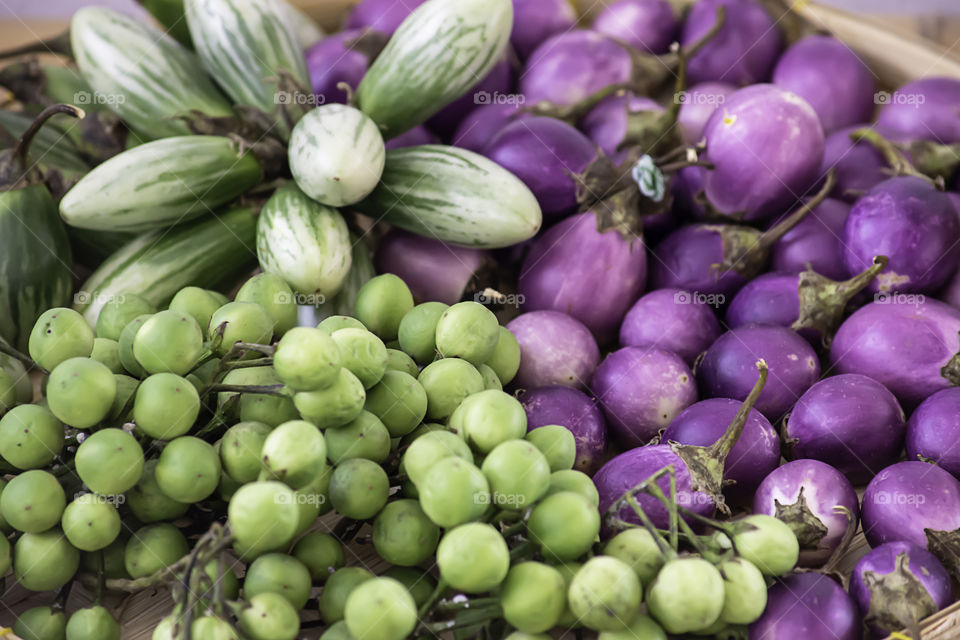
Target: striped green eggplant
454, 195
441, 50
247, 46
51, 145
160, 183
159, 263
140, 72
22, 382
304, 242
361, 270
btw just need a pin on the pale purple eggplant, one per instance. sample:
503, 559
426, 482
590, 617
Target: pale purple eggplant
816, 242
934, 430
380, 15
772, 298
647, 25
570, 66
670, 319
808, 605
335, 59
686, 260
697, 105
536, 20
606, 124
575, 410
859, 166
554, 349
924, 109
484, 123
415, 137
496, 86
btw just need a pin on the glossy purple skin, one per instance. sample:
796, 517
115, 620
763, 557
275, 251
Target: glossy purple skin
827, 74
808, 605
755, 455
901, 342
884, 560
767, 146
483, 124
382, 15
647, 25
669, 319
935, 119
606, 124
434, 271
534, 21
554, 349
911, 222
632, 467
934, 430
641, 390
331, 62
572, 65
729, 368
816, 241
906, 498
849, 421
496, 85
593, 276
685, 187
859, 166
699, 103
823, 489
415, 137
772, 298
685, 258
744, 50
574, 410
543, 153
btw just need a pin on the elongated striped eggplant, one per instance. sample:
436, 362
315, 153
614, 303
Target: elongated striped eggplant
144, 75
436, 55
454, 195
361, 270
160, 183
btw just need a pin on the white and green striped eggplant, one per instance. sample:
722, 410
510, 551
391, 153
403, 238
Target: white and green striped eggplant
361, 271
454, 195
302, 26
441, 50
246, 45
157, 264
304, 242
143, 74
336, 155
160, 183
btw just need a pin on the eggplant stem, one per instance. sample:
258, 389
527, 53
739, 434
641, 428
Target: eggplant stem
720, 449
665, 549
899, 163
571, 113
22, 148
259, 389
769, 237
430, 602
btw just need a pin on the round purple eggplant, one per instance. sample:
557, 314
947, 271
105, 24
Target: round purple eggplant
484, 123
641, 390
815, 243
570, 66
898, 584
434, 271
496, 86
924, 109
906, 499
772, 298
575, 410
808, 605
859, 166
593, 276
554, 349
805, 494
820, 69
901, 341
536, 20
647, 25
341, 57
753, 457
415, 137
727, 369
606, 124
934, 430
687, 189
686, 260
380, 15
669, 319
911, 222
767, 147
849, 421
744, 50
697, 105
545, 153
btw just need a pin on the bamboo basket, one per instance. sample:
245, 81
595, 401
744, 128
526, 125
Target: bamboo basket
895, 58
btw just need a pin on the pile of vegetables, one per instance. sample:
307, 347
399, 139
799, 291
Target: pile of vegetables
599, 327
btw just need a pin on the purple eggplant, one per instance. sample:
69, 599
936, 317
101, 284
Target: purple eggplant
767, 147
934, 430
924, 109
570, 66
484, 123
669, 319
434, 271
898, 584
858, 164
727, 370
606, 124
574, 410
849, 421
641, 390
536, 20
380, 15
593, 276
753, 457
686, 260
772, 298
545, 153
808, 605
415, 137
496, 86
687, 190
901, 341
342, 57
815, 242
820, 69
697, 105
744, 50
555, 349
647, 25
805, 494
911, 222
